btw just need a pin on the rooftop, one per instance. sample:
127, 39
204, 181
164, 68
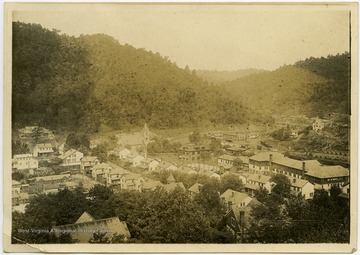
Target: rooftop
259, 178
323, 171
235, 197
265, 156
195, 188
67, 153
227, 157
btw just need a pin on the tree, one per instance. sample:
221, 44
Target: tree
17, 147
231, 182
216, 147
77, 140
282, 187
100, 152
238, 163
17, 176
271, 223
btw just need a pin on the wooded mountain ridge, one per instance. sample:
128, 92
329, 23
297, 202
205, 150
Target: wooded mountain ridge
84, 82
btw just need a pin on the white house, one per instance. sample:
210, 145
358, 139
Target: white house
71, 158
25, 161
101, 171
132, 181
135, 159
257, 181
121, 152
43, 149
236, 198
115, 175
149, 164
210, 173
318, 125
16, 187
164, 165
88, 162
303, 187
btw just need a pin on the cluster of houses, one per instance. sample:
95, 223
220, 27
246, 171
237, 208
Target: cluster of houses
255, 172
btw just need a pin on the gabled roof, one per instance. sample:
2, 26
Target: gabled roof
171, 186
235, 197
101, 166
323, 171
170, 178
131, 176
259, 178
68, 153
120, 149
148, 160
85, 217
265, 156
195, 188
15, 182
299, 183
44, 145
52, 177
81, 230
89, 159
165, 164
23, 156
207, 172
227, 157
152, 185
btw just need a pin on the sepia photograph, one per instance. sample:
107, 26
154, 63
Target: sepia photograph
180, 127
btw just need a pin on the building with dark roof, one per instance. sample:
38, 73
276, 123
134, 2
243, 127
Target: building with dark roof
86, 226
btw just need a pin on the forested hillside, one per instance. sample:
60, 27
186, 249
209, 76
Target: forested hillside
90, 81
334, 94
314, 87
215, 77
63, 81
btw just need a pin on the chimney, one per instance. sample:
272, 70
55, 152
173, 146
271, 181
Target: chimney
270, 162
303, 169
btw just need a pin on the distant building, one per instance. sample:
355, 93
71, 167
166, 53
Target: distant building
192, 152
303, 187
24, 162
226, 160
318, 125
114, 176
121, 152
167, 166
210, 174
88, 162
132, 181
43, 149
85, 227
149, 164
100, 172
71, 158
195, 189
16, 186
324, 177
256, 181
236, 198
259, 163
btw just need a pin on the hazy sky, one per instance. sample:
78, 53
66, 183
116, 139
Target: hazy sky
222, 37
